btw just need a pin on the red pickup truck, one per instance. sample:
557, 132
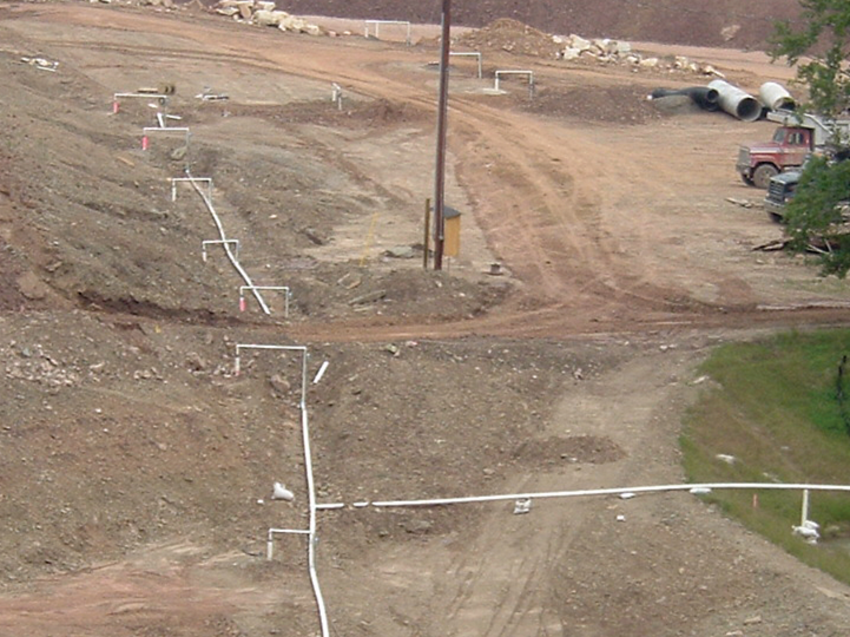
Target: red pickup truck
759, 161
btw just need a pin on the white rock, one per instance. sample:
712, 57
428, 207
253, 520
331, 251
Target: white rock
622, 48
266, 18
578, 42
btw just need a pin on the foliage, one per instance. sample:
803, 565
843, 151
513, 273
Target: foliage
773, 406
819, 49
817, 213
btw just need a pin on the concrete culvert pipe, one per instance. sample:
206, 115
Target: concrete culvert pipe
736, 102
704, 97
776, 97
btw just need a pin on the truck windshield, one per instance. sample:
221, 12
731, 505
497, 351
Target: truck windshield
779, 135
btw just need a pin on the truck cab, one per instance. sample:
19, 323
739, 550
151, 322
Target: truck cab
779, 192
759, 161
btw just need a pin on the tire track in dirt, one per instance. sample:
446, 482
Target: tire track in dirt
552, 234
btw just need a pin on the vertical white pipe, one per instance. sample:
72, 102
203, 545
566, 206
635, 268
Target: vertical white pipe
805, 513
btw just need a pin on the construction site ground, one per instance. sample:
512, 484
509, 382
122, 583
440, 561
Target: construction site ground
607, 245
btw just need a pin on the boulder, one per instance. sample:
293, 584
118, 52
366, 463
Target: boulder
292, 23
246, 9
579, 43
266, 18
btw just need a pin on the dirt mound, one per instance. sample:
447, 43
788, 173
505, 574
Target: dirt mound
511, 36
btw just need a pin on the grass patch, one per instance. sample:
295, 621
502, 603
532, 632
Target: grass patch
774, 406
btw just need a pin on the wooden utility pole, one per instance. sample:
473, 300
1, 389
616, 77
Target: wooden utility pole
440, 179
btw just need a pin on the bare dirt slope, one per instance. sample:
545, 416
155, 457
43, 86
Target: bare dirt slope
742, 25
138, 466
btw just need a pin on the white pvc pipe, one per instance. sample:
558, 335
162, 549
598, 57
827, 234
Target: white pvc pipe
270, 539
115, 96
321, 372
176, 180
377, 24
330, 506
475, 54
530, 75
207, 242
308, 469
233, 260
280, 288
805, 512
336, 94
697, 488
311, 491
168, 129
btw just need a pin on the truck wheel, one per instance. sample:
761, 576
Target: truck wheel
762, 175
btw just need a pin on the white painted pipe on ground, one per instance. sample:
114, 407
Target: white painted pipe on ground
233, 260
321, 372
207, 242
695, 488
308, 469
287, 295
270, 539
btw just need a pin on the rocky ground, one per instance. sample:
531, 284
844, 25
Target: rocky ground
601, 259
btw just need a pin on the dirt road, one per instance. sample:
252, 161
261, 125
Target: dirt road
136, 486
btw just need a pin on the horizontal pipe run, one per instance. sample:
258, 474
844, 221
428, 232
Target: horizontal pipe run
270, 539
330, 506
377, 24
697, 488
475, 54
530, 75
141, 95
207, 242
166, 129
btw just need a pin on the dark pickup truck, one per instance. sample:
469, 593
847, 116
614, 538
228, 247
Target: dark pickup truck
780, 190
